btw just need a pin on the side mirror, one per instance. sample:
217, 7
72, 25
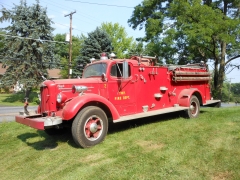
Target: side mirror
125, 70
104, 78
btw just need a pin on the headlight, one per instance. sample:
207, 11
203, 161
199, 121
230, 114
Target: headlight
59, 98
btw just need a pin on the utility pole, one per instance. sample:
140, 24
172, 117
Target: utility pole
70, 45
229, 89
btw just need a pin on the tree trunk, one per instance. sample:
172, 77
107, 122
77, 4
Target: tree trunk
221, 71
221, 75
215, 77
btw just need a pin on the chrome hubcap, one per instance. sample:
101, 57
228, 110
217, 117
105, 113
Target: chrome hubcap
93, 127
192, 107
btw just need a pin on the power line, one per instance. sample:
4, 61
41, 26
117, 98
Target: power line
32, 38
54, 22
61, 13
88, 16
61, 7
58, 5
5, 4
101, 4
72, 28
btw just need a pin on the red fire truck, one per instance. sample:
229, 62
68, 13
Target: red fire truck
119, 90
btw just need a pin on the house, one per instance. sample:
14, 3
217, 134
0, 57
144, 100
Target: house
2, 70
53, 74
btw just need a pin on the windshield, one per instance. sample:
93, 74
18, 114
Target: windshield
95, 70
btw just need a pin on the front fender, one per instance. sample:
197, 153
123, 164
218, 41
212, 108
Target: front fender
185, 95
72, 107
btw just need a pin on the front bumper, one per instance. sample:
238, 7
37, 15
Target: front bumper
37, 121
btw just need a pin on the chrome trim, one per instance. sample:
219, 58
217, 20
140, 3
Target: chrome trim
81, 89
43, 85
51, 121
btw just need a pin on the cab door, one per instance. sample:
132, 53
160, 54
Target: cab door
122, 90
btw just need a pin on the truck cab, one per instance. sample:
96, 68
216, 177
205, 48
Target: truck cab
118, 90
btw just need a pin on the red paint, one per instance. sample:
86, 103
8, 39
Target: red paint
155, 87
36, 123
73, 106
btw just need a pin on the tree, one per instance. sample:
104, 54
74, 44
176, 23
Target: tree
194, 30
235, 89
97, 42
137, 48
2, 33
28, 51
62, 50
120, 42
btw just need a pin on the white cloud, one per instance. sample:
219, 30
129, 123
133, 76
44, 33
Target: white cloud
61, 26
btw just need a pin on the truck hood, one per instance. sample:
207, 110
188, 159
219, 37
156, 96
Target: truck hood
77, 81
66, 84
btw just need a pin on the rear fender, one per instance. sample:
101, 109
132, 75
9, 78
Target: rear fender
72, 107
186, 94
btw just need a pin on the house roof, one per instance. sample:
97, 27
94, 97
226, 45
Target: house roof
53, 73
2, 70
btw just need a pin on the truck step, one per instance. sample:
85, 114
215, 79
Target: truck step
151, 113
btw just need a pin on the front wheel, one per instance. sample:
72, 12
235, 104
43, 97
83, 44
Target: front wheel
89, 127
194, 108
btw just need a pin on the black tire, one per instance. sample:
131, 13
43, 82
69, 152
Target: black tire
194, 108
89, 127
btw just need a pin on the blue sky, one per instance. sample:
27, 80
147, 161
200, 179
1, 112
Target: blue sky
88, 16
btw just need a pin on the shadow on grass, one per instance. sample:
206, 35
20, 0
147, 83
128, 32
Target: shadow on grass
122, 126
47, 142
51, 142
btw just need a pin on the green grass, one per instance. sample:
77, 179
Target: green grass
162, 147
17, 99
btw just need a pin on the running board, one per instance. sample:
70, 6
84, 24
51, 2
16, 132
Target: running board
209, 102
212, 103
151, 113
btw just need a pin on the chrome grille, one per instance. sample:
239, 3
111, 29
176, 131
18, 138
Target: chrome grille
44, 100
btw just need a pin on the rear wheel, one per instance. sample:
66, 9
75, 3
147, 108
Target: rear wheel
194, 108
89, 127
